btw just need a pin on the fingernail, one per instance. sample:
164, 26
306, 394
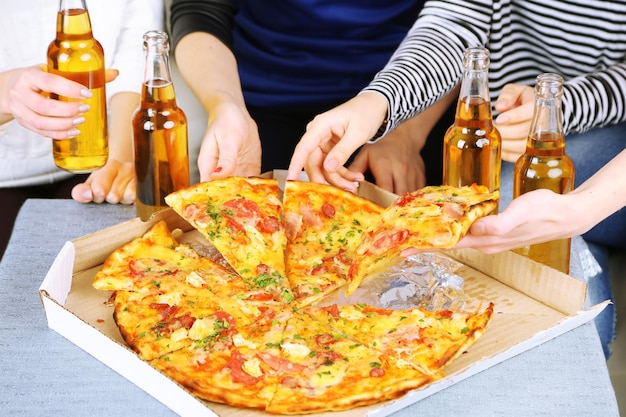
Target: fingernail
78, 120
73, 133
84, 108
86, 194
217, 170
85, 93
501, 119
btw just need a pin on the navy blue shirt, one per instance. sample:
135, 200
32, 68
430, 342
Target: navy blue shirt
301, 52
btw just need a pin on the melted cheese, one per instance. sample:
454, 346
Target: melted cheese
195, 280
327, 376
239, 341
252, 367
179, 334
172, 298
202, 328
295, 350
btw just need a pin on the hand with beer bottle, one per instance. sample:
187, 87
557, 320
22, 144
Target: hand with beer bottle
25, 98
542, 215
32, 120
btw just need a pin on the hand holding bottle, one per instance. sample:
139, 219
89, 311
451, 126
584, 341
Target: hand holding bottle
23, 97
515, 104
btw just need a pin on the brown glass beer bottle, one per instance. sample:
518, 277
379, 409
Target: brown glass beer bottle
160, 132
76, 55
472, 145
546, 165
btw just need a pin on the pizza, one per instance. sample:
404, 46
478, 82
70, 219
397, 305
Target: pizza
431, 218
425, 340
241, 217
323, 226
232, 336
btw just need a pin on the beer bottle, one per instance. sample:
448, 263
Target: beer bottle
76, 55
545, 164
472, 145
159, 131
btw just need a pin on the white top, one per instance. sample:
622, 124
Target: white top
26, 28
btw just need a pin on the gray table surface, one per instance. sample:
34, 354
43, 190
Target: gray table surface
42, 373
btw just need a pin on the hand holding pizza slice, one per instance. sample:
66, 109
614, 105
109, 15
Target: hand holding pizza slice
434, 217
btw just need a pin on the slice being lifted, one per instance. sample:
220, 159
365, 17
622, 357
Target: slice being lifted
434, 217
241, 217
323, 225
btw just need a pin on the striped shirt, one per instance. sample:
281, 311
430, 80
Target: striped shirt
583, 40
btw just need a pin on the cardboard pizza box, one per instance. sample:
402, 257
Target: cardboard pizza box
514, 283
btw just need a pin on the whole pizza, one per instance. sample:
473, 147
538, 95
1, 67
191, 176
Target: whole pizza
250, 333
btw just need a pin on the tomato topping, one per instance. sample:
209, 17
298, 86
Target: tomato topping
280, 364
328, 210
377, 372
269, 224
371, 309
332, 310
236, 369
329, 357
165, 310
235, 227
289, 382
391, 240
324, 339
242, 208
321, 269
224, 316
262, 269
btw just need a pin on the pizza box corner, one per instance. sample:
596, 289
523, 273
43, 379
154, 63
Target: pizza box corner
515, 284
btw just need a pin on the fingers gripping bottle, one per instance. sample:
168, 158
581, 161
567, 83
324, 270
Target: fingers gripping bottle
472, 145
76, 55
159, 131
546, 165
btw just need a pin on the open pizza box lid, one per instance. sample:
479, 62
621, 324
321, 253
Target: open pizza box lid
533, 304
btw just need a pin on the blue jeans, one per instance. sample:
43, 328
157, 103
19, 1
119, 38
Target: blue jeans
590, 151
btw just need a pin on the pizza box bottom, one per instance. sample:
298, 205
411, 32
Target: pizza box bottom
514, 283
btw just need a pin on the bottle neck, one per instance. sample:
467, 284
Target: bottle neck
73, 19
546, 129
474, 89
157, 71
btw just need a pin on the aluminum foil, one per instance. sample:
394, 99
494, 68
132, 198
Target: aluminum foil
425, 280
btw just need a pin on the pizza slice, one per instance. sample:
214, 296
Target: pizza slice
323, 225
432, 218
241, 217
156, 262
325, 370
237, 367
425, 340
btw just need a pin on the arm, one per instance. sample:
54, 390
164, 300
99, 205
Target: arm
231, 144
542, 215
